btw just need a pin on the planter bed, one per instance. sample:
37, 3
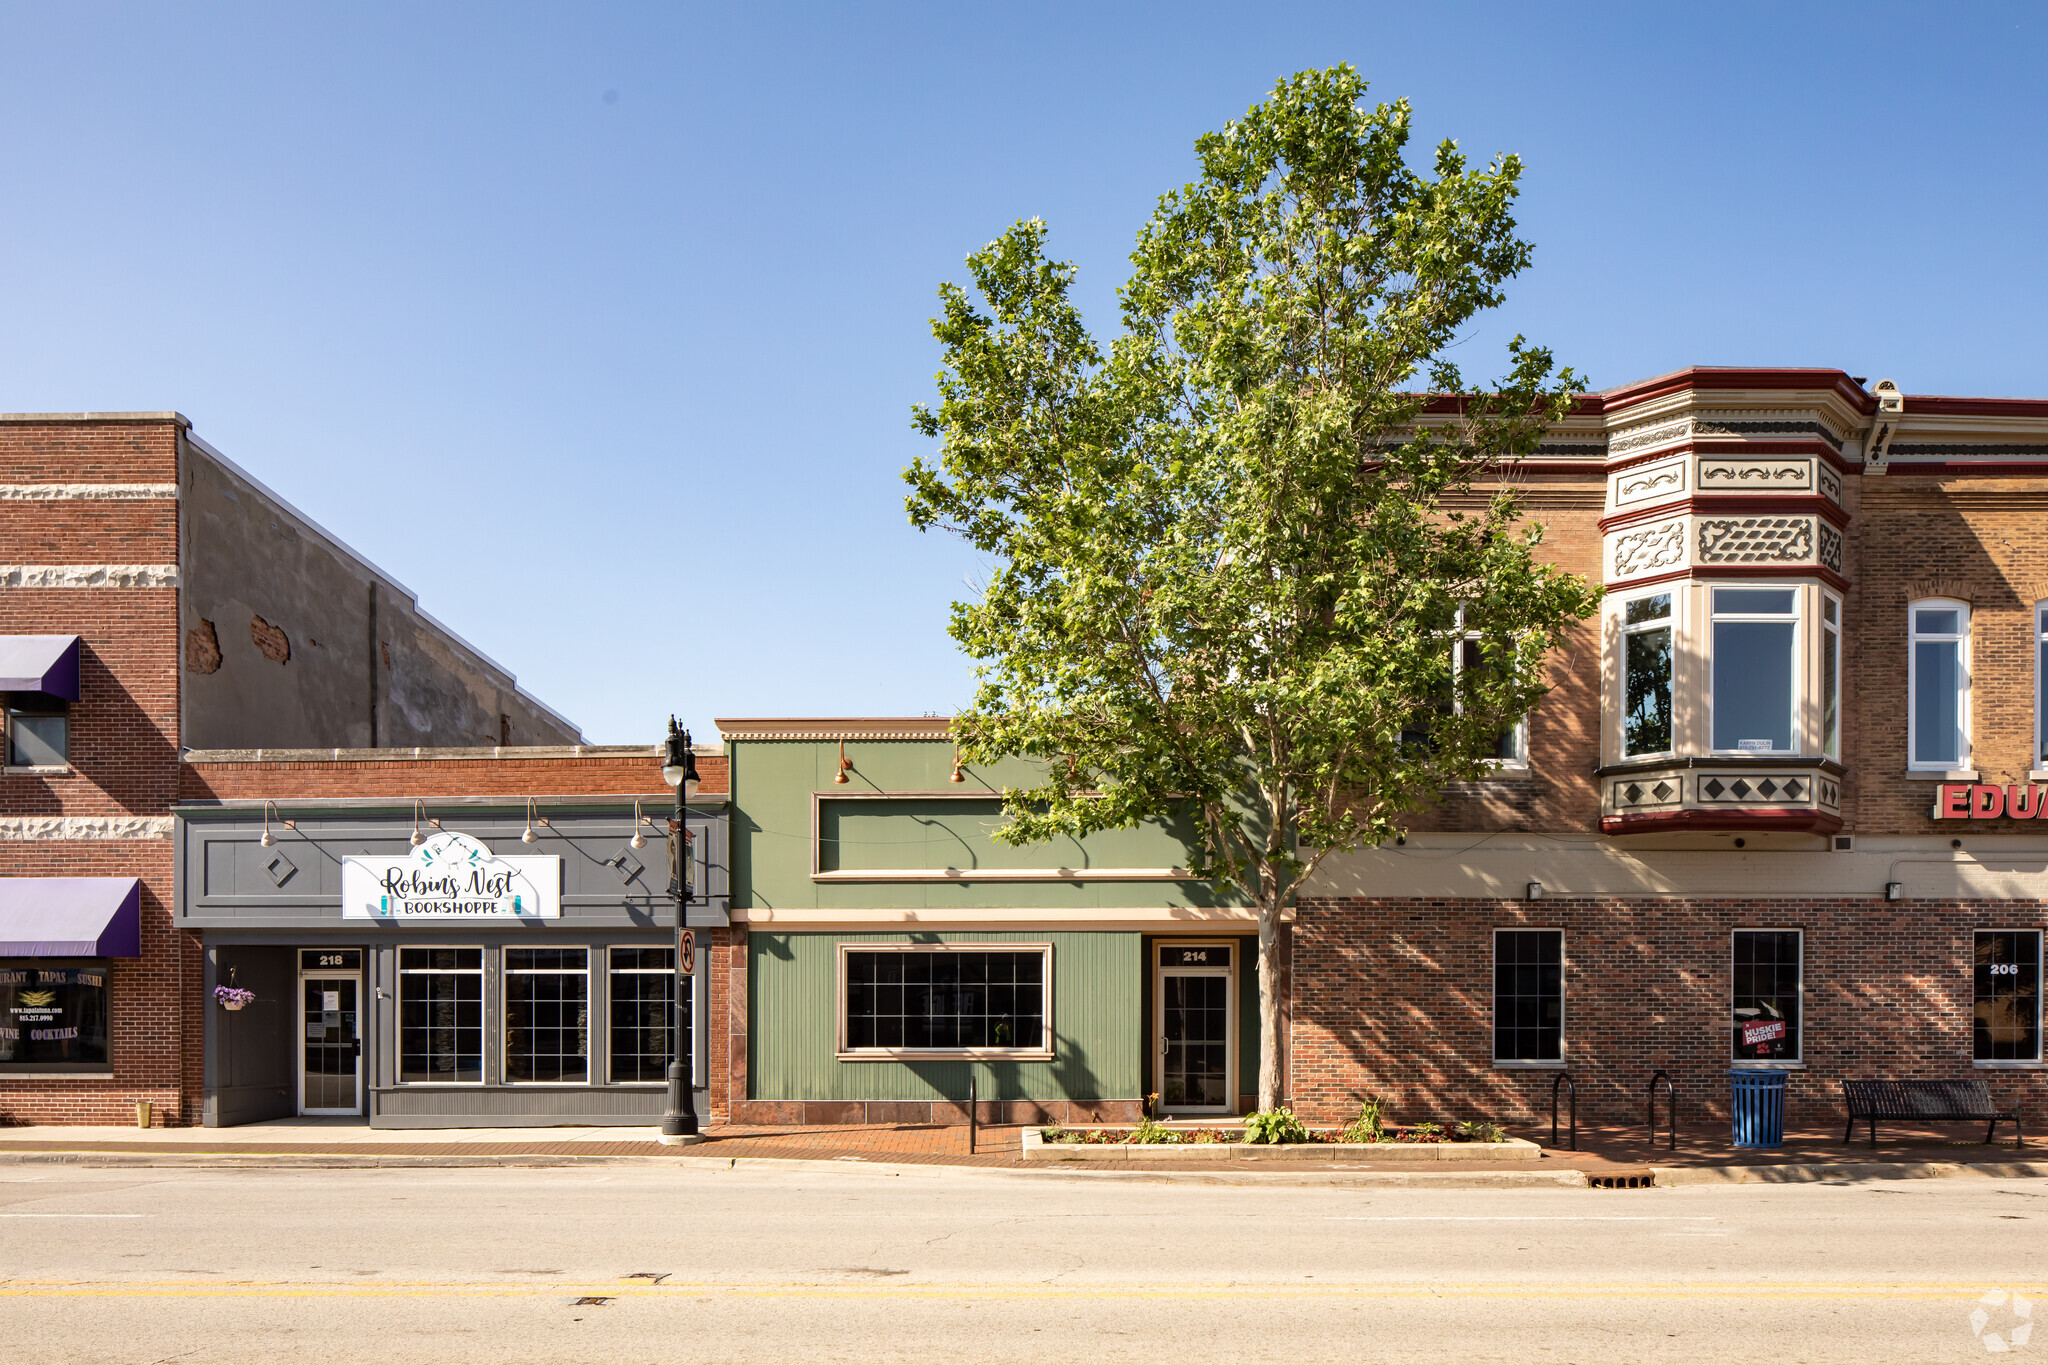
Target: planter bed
1036, 1148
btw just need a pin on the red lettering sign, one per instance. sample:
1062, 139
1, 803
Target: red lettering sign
1981, 801
1954, 803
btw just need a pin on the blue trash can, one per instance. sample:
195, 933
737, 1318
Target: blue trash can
1758, 1108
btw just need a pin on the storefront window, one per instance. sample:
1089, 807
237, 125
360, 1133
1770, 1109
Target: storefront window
1754, 630
2008, 991
642, 982
938, 1000
1646, 676
1938, 685
1766, 983
547, 1014
441, 1015
1528, 995
53, 1017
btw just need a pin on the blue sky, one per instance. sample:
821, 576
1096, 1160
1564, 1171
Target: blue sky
598, 326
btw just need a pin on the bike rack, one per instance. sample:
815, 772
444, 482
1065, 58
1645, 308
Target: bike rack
1564, 1078
1670, 1090
973, 1112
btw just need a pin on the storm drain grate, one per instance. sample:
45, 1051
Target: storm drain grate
1644, 1181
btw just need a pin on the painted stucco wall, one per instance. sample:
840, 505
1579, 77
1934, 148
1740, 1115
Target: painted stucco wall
287, 640
1097, 1027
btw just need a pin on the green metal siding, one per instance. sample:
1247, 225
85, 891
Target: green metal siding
1098, 1027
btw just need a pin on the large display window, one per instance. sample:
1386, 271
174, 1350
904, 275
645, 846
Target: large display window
53, 1018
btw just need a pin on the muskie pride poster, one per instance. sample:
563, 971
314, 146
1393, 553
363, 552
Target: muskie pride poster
451, 877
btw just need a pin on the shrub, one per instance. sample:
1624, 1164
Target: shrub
1369, 1126
1274, 1126
1480, 1130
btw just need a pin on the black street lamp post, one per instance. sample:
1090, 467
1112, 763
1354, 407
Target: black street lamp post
679, 770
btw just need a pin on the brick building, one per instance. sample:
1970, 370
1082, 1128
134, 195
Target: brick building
156, 598
1739, 834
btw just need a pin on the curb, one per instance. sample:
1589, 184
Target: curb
1668, 1177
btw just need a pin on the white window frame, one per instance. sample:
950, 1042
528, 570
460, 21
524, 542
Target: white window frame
2040, 946
482, 974
2039, 767
1044, 1053
1798, 1060
1830, 645
1564, 1037
699, 1057
1459, 636
1913, 638
505, 974
1675, 595
1797, 692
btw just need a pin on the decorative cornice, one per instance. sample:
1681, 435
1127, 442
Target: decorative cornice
88, 575
836, 727
88, 492
80, 828
501, 753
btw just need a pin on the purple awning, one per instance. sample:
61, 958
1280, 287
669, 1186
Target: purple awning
40, 663
70, 917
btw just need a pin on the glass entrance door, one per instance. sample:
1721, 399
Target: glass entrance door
1195, 1075
330, 1076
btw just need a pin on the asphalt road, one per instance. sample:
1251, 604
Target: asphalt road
714, 1263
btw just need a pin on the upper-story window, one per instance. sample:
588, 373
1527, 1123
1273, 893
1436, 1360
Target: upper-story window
1511, 749
38, 731
1831, 675
1938, 684
1755, 670
1646, 675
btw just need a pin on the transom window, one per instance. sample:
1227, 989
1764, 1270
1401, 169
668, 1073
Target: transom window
1646, 676
1528, 995
942, 999
441, 1015
547, 1014
1765, 995
2008, 995
1938, 685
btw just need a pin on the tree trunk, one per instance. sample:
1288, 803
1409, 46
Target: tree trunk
1269, 1004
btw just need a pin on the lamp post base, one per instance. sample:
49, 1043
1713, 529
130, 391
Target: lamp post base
681, 1139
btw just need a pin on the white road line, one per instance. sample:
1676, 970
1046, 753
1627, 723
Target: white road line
73, 1215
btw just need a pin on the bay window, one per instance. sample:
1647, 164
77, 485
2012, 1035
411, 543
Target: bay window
1830, 676
1646, 676
1754, 699
1938, 685
2041, 685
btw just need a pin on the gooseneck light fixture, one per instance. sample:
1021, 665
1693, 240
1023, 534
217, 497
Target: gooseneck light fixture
533, 817
419, 812
638, 840
679, 770
270, 809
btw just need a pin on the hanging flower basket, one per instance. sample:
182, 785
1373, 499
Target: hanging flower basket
233, 997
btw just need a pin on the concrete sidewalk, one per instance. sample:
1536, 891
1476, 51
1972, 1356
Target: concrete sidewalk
1605, 1154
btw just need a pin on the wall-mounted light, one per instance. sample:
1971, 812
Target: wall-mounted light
1535, 891
956, 777
533, 817
1894, 891
419, 813
638, 840
845, 764
270, 809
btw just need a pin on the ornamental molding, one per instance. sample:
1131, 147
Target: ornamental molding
1830, 548
1755, 474
88, 575
1829, 482
848, 727
1664, 479
88, 492
1755, 540
1971, 450
1793, 422
1649, 434
1654, 547
37, 829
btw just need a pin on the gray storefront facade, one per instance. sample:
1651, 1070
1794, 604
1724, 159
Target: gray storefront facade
469, 962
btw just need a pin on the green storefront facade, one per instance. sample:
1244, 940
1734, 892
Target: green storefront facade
894, 952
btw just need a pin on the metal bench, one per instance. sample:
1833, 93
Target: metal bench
1926, 1101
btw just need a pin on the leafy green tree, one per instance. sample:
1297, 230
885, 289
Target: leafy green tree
1240, 569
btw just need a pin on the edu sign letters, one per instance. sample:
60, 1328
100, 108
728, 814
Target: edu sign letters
1978, 801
